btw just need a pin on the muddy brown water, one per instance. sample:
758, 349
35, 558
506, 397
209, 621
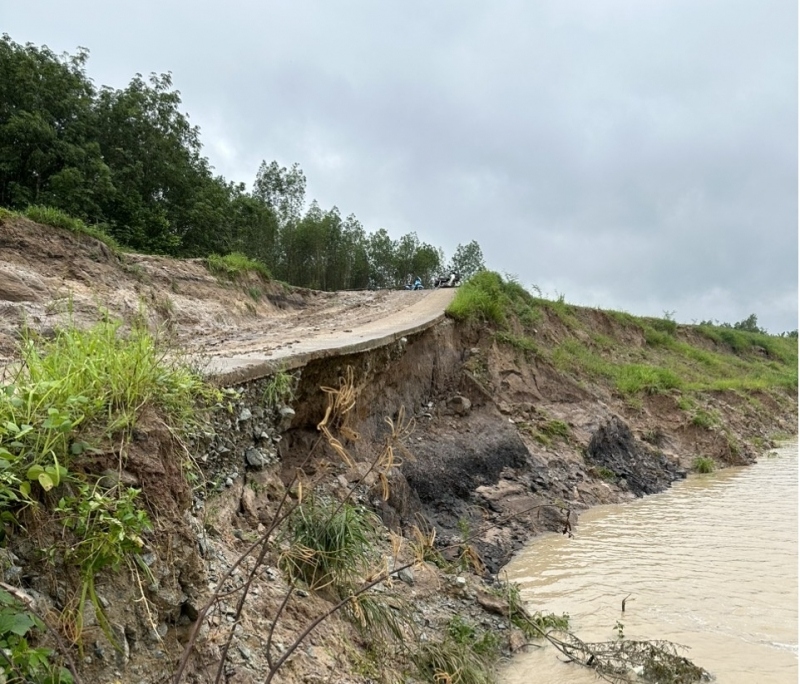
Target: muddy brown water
710, 564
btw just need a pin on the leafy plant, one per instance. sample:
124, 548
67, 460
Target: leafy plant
21, 662
481, 641
108, 530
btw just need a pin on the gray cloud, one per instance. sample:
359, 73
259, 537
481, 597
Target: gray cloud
634, 155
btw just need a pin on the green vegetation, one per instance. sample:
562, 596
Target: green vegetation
50, 216
703, 464
521, 342
235, 265
678, 359
605, 473
704, 419
546, 432
21, 662
331, 544
70, 394
467, 655
128, 162
636, 378
280, 389
532, 626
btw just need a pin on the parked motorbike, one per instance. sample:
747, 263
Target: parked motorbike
451, 280
417, 285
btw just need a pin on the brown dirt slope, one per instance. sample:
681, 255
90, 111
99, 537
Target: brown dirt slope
48, 274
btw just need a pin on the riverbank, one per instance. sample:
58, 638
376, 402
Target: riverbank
447, 449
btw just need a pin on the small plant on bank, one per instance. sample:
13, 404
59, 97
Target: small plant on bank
703, 464
704, 419
605, 473
280, 389
481, 641
555, 429
108, 529
523, 343
466, 655
330, 543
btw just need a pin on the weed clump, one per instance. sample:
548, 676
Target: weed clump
703, 464
69, 395
234, 265
331, 544
467, 655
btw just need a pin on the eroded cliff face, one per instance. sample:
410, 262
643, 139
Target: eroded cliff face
509, 446
503, 445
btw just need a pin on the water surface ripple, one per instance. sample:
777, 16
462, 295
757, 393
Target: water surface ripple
710, 564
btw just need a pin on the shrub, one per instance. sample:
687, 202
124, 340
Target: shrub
703, 464
236, 264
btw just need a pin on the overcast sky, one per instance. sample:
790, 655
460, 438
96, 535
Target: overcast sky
630, 154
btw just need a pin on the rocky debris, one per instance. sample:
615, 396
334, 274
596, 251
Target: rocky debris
493, 604
14, 288
286, 418
459, 405
643, 469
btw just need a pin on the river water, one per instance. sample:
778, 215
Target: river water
710, 564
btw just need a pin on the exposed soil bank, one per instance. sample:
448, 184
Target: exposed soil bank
504, 445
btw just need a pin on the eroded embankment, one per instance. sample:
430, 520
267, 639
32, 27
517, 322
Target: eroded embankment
480, 441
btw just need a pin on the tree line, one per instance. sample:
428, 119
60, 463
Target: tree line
129, 161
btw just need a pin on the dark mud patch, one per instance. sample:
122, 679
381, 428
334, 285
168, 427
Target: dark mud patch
637, 466
456, 462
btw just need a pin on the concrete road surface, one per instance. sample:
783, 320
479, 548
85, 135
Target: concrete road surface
408, 320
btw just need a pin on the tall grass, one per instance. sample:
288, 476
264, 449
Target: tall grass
236, 264
482, 297
115, 373
330, 543
78, 387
